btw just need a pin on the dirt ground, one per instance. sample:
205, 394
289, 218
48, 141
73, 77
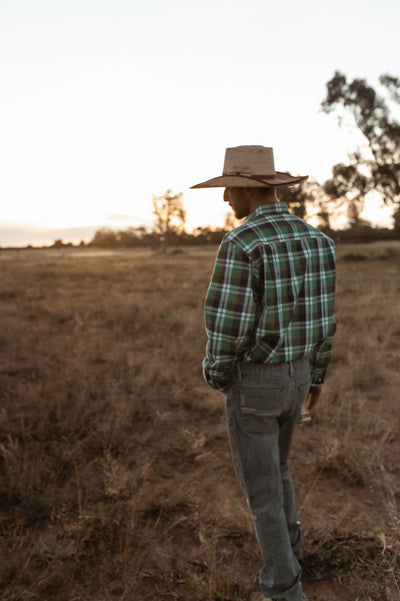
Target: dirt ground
116, 481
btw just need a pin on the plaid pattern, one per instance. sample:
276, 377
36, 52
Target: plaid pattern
271, 296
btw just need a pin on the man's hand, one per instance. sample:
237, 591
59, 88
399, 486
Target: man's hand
313, 396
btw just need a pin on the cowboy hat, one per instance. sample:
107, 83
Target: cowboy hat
250, 166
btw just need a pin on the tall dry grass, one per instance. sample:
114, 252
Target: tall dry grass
115, 474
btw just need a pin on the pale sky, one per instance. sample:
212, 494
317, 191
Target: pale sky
107, 102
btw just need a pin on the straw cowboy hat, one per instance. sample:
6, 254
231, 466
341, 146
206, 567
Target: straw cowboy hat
250, 166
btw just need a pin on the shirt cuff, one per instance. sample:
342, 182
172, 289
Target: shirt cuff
221, 385
317, 376
215, 379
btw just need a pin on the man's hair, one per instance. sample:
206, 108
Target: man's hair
264, 191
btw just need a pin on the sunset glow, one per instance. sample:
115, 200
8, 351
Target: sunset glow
104, 104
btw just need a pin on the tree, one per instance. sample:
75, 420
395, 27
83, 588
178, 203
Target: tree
298, 197
104, 238
309, 200
170, 215
376, 165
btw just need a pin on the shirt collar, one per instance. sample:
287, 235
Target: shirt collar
268, 208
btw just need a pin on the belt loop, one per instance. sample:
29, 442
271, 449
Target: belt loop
291, 369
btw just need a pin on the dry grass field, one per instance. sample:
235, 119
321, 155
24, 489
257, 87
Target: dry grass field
116, 481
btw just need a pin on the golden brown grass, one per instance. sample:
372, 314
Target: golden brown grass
115, 474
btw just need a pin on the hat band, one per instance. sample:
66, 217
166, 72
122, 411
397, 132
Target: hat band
247, 174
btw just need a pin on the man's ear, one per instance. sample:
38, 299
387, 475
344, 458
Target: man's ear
251, 193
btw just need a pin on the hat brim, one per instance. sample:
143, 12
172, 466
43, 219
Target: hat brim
237, 181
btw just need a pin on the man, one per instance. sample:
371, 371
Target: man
270, 321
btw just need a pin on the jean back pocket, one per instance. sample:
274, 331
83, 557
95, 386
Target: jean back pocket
260, 408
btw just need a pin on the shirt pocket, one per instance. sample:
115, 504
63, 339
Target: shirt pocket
260, 408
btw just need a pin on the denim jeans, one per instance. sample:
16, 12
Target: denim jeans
263, 407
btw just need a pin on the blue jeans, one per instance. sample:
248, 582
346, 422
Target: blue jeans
263, 407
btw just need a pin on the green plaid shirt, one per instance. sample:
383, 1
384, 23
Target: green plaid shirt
271, 296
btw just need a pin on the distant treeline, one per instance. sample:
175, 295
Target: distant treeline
131, 238
140, 237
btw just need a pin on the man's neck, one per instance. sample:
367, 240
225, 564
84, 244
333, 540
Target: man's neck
256, 201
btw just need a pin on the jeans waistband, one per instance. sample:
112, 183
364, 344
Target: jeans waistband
297, 368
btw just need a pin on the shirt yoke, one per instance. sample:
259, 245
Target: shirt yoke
272, 223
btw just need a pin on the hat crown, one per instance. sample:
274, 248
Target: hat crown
249, 160
250, 166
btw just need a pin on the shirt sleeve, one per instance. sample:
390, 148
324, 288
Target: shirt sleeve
230, 313
321, 356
